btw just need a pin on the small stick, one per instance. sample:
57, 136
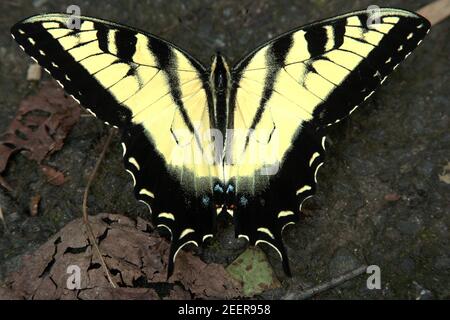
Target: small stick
436, 11
85, 213
328, 285
3, 218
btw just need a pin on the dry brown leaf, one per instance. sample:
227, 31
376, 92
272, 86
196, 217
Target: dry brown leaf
54, 176
8, 294
136, 258
178, 293
205, 280
119, 293
40, 126
5, 183
392, 197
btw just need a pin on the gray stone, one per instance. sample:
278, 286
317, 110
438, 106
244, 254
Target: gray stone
342, 262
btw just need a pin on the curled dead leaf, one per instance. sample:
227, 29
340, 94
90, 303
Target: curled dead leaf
5, 183
136, 257
54, 176
40, 125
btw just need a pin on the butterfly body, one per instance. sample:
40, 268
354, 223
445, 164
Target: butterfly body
220, 82
245, 141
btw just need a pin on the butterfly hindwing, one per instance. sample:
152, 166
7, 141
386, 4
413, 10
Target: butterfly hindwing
151, 90
285, 95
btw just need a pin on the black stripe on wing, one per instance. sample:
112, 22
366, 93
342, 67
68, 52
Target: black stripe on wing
277, 52
317, 40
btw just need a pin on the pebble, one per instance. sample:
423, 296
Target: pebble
423, 293
227, 12
411, 226
342, 262
39, 3
34, 72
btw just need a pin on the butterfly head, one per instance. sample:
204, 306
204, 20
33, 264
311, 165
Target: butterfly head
220, 72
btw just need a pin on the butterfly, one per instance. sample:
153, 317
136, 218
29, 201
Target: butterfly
245, 141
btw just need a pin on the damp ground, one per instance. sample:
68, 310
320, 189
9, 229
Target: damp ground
383, 196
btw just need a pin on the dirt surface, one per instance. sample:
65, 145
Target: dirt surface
381, 200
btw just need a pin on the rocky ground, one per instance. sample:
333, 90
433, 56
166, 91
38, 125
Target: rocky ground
383, 194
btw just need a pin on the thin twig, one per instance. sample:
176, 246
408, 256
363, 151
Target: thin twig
436, 11
327, 285
12, 3
85, 213
3, 218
